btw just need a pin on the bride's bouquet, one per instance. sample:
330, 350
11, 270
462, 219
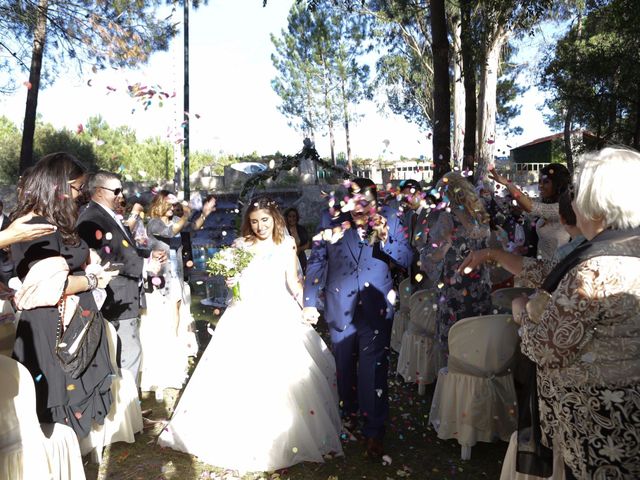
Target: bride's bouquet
229, 262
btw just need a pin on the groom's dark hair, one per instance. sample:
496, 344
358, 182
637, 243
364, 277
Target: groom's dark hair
363, 186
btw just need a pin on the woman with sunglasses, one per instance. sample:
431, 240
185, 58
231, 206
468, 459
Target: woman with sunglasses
554, 180
49, 193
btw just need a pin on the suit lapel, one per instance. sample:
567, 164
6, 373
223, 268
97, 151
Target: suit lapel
121, 228
353, 243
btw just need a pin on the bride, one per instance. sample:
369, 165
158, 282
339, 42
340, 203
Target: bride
263, 396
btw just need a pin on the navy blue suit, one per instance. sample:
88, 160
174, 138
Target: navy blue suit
357, 282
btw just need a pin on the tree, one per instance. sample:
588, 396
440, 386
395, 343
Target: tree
441, 92
405, 68
9, 150
320, 75
296, 83
593, 73
498, 21
508, 91
468, 37
99, 33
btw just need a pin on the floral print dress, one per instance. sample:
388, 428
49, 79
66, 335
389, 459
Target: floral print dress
458, 296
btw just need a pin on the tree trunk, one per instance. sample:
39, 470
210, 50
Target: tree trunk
469, 75
29, 127
310, 130
487, 107
329, 111
458, 98
636, 131
568, 152
441, 93
332, 142
345, 104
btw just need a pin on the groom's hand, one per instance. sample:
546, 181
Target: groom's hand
310, 315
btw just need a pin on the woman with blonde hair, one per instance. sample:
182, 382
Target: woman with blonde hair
163, 336
462, 225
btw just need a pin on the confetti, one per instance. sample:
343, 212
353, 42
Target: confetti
71, 387
108, 236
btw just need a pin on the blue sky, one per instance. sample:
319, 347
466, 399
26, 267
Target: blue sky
231, 93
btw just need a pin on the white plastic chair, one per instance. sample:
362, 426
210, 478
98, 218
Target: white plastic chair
475, 399
401, 316
508, 471
417, 362
8, 323
125, 417
29, 450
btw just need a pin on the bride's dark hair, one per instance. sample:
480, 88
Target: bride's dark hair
270, 205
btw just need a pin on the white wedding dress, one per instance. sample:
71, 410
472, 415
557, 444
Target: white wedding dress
263, 396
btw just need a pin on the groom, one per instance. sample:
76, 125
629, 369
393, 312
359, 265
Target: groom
350, 260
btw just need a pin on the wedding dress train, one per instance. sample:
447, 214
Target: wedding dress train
263, 396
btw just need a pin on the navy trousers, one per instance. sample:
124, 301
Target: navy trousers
361, 351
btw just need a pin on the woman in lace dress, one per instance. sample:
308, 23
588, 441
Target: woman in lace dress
263, 396
461, 226
554, 180
585, 335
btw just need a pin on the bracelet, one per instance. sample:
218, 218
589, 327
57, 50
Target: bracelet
92, 280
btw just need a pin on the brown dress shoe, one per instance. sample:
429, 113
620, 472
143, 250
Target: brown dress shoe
375, 449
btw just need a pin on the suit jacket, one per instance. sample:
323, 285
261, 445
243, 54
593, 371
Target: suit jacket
101, 232
352, 272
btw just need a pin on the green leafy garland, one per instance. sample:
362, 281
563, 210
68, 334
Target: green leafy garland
286, 163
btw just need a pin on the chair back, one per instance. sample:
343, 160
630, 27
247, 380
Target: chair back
422, 315
112, 340
7, 327
404, 293
21, 439
483, 345
9, 389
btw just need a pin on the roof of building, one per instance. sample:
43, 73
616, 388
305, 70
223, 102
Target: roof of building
555, 136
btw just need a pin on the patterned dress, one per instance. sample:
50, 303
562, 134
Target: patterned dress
551, 233
586, 342
459, 296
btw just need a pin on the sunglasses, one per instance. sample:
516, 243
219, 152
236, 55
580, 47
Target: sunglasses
116, 191
77, 189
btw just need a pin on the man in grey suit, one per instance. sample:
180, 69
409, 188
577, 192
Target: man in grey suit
104, 232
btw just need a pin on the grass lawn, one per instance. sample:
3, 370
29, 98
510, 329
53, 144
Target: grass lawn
412, 445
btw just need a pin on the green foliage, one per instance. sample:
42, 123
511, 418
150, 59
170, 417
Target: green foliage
100, 146
405, 68
99, 33
48, 140
320, 71
509, 92
9, 151
595, 69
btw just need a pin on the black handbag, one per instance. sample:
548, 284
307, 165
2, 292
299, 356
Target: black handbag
77, 344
